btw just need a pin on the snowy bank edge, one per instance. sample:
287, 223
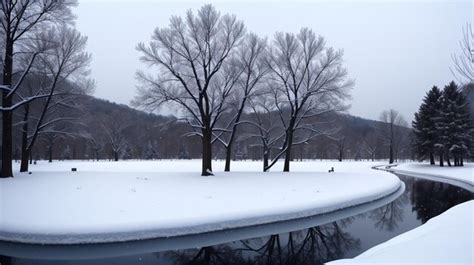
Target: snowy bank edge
436, 177
134, 235
406, 238
139, 247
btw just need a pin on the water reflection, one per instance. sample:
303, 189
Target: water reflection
5, 260
310, 246
345, 238
430, 198
389, 216
422, 200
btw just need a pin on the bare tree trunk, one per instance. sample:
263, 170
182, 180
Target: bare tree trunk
96, 151
7, 117
265, 158
228, 156
340, 155
286, 167
24, 160
448, 160
50, 153
391, 144
441, 162
391, 154
116, 157
24, 141
206, 153
432, 160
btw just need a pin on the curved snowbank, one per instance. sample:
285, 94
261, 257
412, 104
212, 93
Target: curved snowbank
459, 176
444, 239
95, 205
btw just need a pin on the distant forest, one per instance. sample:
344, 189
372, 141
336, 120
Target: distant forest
97, 129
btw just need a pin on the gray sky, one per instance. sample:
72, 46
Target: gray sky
395, 50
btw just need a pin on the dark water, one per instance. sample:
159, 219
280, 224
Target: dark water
345, 238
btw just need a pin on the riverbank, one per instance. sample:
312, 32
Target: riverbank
130, 200
444, 239
459, 176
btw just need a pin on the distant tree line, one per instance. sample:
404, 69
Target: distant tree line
139, 135
442, 127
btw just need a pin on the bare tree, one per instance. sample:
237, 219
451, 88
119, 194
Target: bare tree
250, 68
189, 55
61, 67
96, 144
464, 62
18, 20
114, 128
371, 144
341, 145
307, 80
393, 120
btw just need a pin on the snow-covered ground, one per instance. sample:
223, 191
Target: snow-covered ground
459, 176
444, 239
127, 200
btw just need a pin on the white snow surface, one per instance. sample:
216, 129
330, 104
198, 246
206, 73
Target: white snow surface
131, 200
444, 239
463, 174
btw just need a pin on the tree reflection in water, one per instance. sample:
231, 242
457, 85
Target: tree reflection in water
430, 198
220, 254
310, 246
4, 260
389, 216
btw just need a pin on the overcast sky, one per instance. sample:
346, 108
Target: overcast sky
395, 50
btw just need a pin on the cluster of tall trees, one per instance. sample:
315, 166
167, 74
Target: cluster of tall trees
443, 126
208, 65
44, 64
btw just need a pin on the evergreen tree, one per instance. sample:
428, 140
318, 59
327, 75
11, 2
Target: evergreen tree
461, 139
453, 125
424, 125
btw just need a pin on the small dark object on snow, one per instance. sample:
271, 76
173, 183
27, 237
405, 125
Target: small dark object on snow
331, 170
74, 169
29, 173
34, 163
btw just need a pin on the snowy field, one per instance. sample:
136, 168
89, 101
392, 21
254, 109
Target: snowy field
444, 239
127, 200
459, 176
